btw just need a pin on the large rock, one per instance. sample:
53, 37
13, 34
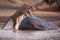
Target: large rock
34, 23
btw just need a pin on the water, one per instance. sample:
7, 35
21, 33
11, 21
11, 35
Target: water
29, 35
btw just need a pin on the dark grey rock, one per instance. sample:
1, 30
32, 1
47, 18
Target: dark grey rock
34, 23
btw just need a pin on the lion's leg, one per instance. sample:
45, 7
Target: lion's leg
15, 24
20, 20
29, 13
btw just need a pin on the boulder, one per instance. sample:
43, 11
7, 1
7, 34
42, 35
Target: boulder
34, 23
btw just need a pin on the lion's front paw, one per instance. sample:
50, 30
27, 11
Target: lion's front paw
15, 30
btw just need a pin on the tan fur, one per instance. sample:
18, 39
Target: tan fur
24, 10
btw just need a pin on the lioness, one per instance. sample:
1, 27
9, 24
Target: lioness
24, 10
